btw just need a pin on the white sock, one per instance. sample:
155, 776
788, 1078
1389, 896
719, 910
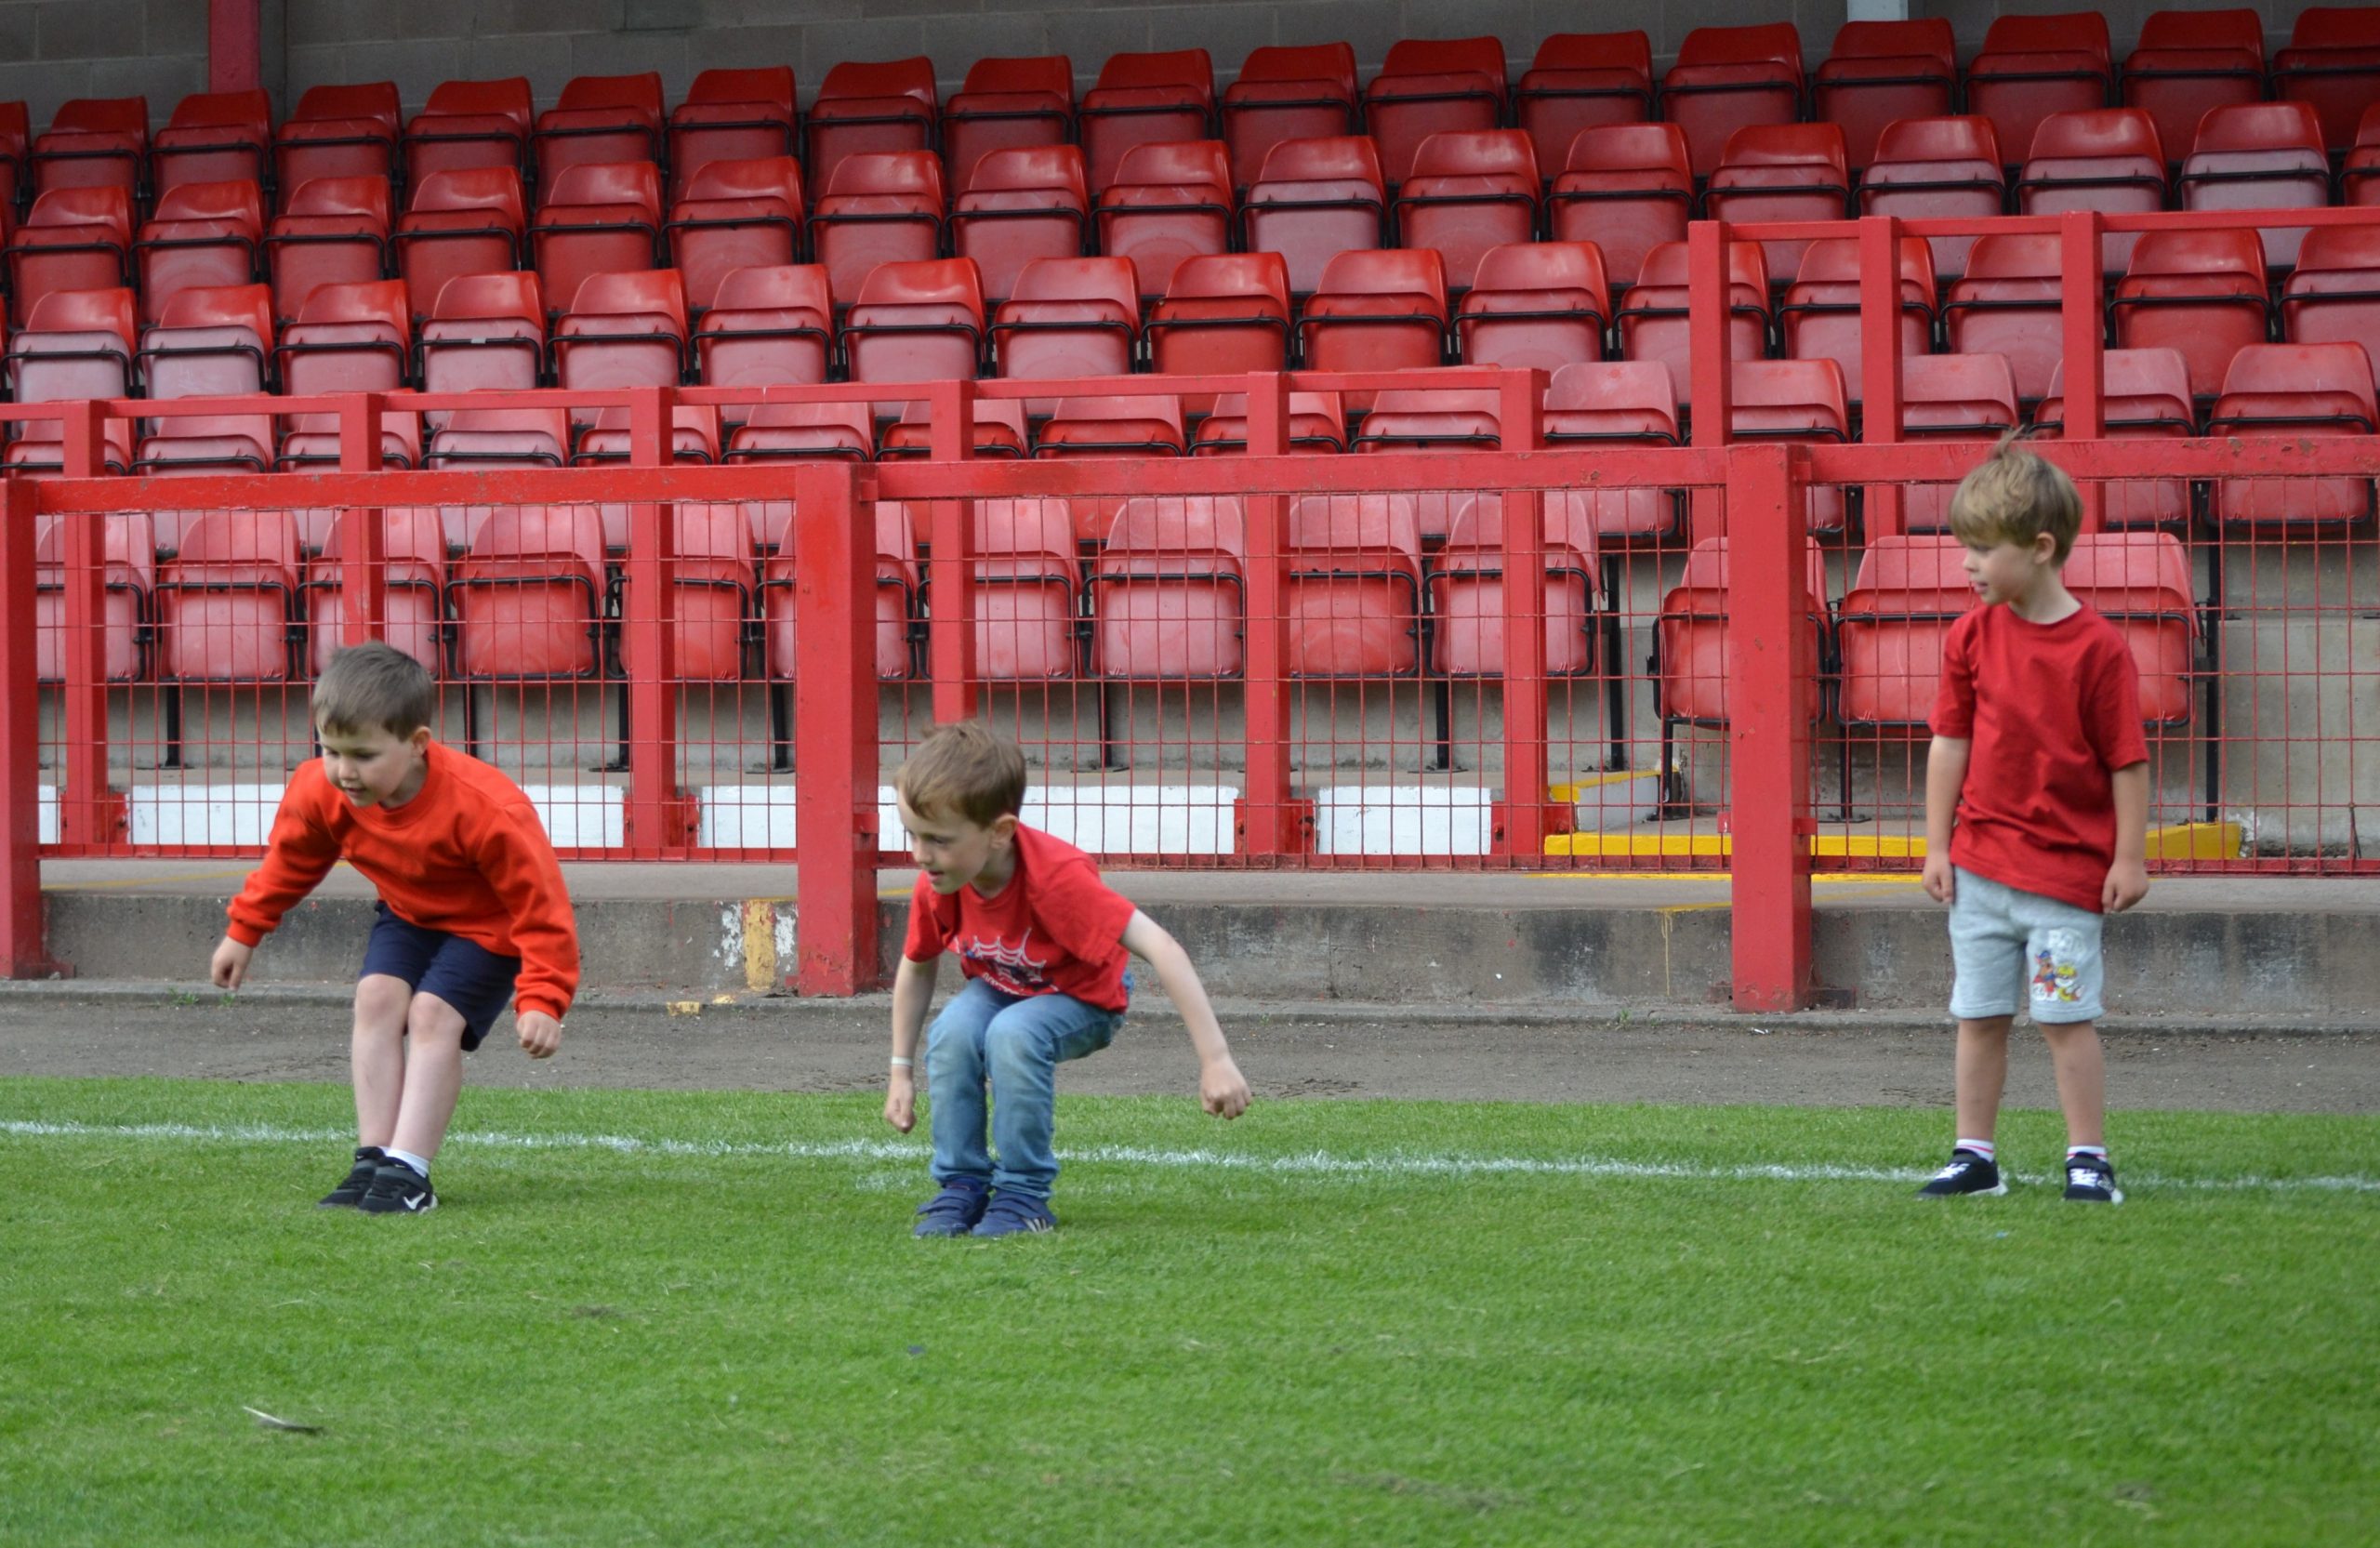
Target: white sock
420, 1164
1981, 1148
2099, 1152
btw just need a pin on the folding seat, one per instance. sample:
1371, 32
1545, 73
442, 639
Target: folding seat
340, 131
1069, 317
2141, 582
735, 215
2199, 292
1781, 172
76, 239
1317, 426
1000, 431
804, 432
211, 343
1802, 401
1625, 188
1881, 73
202, 234
2032, 67
2356, 177
2188, 63
1727, 78
1535, 303
694, 440
1468, 192
624, 330
2145, 394
1582, 81
1952, 398
501, 438
869, 110
1028, 591
1376, 310
1617, 403
2332, 62
1019, 205
2298, 390
883, 207
1141, 425
128, 563
1145, 99
1284, 94
348, 338
598, 119
1819, 316
462, 222
916, 321
2107, 160
1466, 587
413, 542
1653, 314
766, 326
897, 594
93, 142
2009, 303
221, 136
228, 601
1433, 87
731, 115
1938, 168
76, 344
597, 218
1432, 419
1004, 105
1223, 313
15, 144
1314, 198
469, 124
487, 333
528, 596
1354, 598
1168, 591
2263, 156
1891, 626
2333, 293
331, 231
1168, 202
710, 594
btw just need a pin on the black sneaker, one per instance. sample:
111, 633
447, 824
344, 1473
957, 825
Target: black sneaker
2091, 1180
350, 1194
1968, 1172
397, 1189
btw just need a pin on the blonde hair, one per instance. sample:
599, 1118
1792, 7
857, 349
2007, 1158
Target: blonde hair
962, 769
2014, 497
374, 687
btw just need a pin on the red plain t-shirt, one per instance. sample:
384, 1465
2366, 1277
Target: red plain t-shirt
1054, 928
2054, 709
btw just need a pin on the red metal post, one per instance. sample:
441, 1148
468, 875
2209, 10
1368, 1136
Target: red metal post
1769, 671
1271, 823
23, 953
1521, 822
1880, 374
1710, 324
659, 816
2085, 362
835, 730
234, 45
950, 568
91, 815
363, 540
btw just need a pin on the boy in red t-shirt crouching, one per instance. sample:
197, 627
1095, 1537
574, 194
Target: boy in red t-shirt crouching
2036, 813
1044, 944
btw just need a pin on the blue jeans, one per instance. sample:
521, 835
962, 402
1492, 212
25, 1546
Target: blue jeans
984, 1037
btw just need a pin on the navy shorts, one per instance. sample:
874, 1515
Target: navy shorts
475, 981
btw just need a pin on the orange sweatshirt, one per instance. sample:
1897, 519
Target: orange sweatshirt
466, 855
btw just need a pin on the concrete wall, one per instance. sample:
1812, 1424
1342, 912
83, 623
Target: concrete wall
53, 50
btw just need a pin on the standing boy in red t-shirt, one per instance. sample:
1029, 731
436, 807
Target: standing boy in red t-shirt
1044, 944
472, 911
2036, 813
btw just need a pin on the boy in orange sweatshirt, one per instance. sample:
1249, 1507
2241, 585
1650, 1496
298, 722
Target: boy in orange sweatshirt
473, 912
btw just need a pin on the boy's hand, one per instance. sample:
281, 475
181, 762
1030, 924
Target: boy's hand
1222, 1091
2127, 883
1941, 885
230, 964
901, 1101
540, 1034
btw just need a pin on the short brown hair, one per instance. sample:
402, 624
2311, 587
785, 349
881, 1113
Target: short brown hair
2014, 497
374, 687
962, 769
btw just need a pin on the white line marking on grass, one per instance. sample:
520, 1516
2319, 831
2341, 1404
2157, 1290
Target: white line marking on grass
1313, 1163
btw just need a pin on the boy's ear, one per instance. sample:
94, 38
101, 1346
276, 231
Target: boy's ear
1004, 826
418, 739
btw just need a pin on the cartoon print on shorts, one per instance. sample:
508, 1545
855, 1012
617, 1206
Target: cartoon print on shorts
2056, 977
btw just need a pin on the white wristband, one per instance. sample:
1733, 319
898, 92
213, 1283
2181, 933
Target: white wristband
899, 1062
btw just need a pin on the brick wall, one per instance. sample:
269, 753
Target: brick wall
53, 50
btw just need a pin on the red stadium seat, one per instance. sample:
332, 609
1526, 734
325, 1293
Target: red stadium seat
1433, 87
624, 330
1535, 303
1354, 598
76, 344
2334, 295
128, 562
1582, 81
2199, 292
1466, 587
1617, 403
1690, 647
2107, 160
735, 215
210, 343
203, 234
2145, 394
2034, 67
2299, 391
1003, 105
1653, 314
15, 144
2008, 303
1781, 172
1000, 431
1727, 78
93, 142
1145, 99
1019, 205
1891, 626
710, 602
2332, 62
1431, 419
221, 137
897, 594
461, 222
2188, 63
1168, 202
1316, 198
767, 326
1627, 189
1820, 317
1069, 317
1285, 93
1141, 425
1802, 401
1028, 591
486, 332
1468, 192
228, 601
2141, 582
597, 218
2266, 156
1952, 398
1881, 73
332, 230
731, 115
348, 338
694, 440
869, 109
1317, 426
413, 544
76, 239
501, 438
1376, 310
2360, 177
340, 131
528, 596
600, 119
1168, 591
804, 432
883, 207
1223, 313
1938, 168
469, 124
916, 321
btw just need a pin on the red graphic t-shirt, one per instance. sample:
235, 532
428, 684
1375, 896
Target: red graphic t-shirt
1054, 928
2053, 710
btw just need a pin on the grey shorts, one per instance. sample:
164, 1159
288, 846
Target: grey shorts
2011, 948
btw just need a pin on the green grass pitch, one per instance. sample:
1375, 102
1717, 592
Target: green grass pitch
699, 1318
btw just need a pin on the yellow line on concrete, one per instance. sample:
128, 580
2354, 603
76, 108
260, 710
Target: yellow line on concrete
759, 945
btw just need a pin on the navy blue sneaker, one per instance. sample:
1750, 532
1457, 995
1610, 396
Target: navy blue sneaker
350, 1194
954, 1210
2091, 1180
1967, 1173
1014, 1214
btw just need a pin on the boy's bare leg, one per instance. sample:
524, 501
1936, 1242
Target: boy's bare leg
433, 1076
1982, 1075
377, 1052
2082, 1080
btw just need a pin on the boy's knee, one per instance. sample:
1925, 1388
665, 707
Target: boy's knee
1012, 1041
429, 1016
382, 1003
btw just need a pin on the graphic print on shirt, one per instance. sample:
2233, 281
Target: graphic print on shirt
1010, 969
2056, 973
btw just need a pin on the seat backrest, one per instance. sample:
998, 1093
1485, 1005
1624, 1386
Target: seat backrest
1019, 168
1927, 38
493, 188
1180, 524
2193, 254
2336, 27
925, 282
1377, 524
776, 177
1438, 400
1333, 158
264, 539
858, 418
570, 534
650, 292
766, 86
2242, 30
1630, 51
1614, 387
2097, 134
110, 206
913, 78
1226, 274
2303, 368
2015, 256
1085, 279
1161, 408
1954, 138
1331, 64
222, 306
776, 287
2260, 127
2074, 33
373, 101
1813, 384
1052, 74
116, 312
1327, 406
1812, 145
638, 93
103, 115
1386, 272
635, 183
1921, 573
1177, 163
472, 296
1665, 263
1777, 42
2154, 382
1013, 529
1477, 153
2331, 247
1631, 147
239, 204
1981, 385
2129, 572
917, 174
414, 533
1835, 260
1445, 56
381, 301
363, 198
1545, 266
506, 99
1193, 69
